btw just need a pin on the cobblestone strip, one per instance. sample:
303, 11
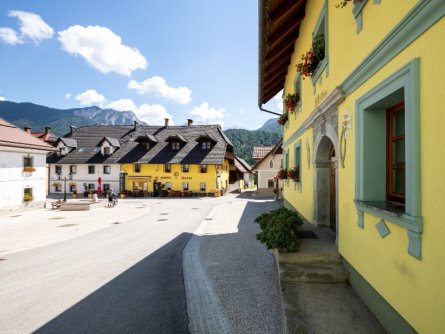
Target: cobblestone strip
205, 312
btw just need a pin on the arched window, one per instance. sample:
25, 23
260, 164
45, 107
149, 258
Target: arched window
271, 163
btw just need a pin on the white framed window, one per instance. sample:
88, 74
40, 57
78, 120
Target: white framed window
271, 164
58, 170
107, 169
73, 169
91, 170
270, 183
185, 186
185, 168
202, 186
137, 168
176, 146
206, 145
168, 185
203, 168
107, 150
167, 168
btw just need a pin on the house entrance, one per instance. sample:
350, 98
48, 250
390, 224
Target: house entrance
326, 184
156, 188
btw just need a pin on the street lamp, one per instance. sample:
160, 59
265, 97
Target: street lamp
64, 186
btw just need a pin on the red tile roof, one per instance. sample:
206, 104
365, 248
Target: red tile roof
259, 152
12, 136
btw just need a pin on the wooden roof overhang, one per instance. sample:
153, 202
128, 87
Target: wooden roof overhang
279, 27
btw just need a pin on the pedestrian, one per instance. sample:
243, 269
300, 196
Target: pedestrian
111, 196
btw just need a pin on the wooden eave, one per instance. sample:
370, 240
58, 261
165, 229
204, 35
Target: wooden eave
279, 25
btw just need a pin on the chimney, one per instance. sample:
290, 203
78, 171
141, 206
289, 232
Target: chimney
28, 130
72, 129
189, 122
135, 125
166, 122
47, 133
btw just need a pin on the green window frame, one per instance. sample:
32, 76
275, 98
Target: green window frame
358, 15
297, 90
370, 192
321, 28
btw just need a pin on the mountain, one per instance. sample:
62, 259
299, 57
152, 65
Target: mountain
244, 140
38, 117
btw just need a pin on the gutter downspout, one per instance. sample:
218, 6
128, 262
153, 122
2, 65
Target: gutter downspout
270, 112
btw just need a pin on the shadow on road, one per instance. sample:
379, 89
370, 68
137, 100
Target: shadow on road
147, 298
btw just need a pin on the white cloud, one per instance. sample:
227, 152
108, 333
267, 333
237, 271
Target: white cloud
90, 97
2, 98
102, 49
32, 26
208, 115
10, 36
153, 114
279, 100
159, 87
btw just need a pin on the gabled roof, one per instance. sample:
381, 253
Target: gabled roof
146, 137
260, 151
206, 136
277, 149
12, 136
131, 151
176, 137
279, 28
242, 165
112, 141
68, 142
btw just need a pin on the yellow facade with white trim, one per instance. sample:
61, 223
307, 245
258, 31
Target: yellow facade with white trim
412, 286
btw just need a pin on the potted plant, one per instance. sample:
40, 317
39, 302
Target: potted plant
90, 193
283, 118
343, 3
74, 193
27, 197
29, 169
291, 101
57, 184
282, 174
312, 58
279, 229
294, 173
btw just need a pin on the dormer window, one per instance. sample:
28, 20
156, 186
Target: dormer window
206, 145
146, 141
108, 146
176, 146
107, 150
62, 150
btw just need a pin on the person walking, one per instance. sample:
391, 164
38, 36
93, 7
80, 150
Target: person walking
111, 198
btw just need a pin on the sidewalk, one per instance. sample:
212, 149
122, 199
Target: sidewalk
231, 279
36, 228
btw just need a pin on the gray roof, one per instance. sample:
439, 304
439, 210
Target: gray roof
147, 137
112, 141
242, 165
176, 136
206, 136
131, 151
68, 142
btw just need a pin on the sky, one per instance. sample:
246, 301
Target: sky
172, 59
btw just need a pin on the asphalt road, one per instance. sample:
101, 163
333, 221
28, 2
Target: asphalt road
126, 278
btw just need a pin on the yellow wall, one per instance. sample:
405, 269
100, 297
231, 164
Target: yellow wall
413, 287
151, 172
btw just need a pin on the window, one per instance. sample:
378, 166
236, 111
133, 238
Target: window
185, 186
27, 162
91, 186
298, 160
107, 150
270, 183
58, 187
168, 185
73, 169
62, 150
137, 168
185, 168
27, 194
203, 168
91, 170
206, 145
320, 43
271, 164
176, 146
106, 186
167, 168
58, 169
388, 154
202, 186
107, 169
73, 187
137, 185
395, 158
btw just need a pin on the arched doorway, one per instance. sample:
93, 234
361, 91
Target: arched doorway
325, 205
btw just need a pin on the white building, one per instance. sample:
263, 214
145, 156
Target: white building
23, 174
267, 169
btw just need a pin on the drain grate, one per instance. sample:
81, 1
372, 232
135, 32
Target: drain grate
67, 225
55, 218
15, 216
163, 213
162, 220
195, 208
116, 223
2, 259
139, 207
209, 218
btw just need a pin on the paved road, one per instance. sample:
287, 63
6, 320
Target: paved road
126, 278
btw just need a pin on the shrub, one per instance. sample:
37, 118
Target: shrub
279, 229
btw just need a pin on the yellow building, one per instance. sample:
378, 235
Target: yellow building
364, 131
177, 161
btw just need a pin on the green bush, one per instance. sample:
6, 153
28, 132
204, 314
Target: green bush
279, 229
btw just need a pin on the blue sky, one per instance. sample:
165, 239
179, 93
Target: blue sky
176, 59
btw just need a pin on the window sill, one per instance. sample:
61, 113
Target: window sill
391, 214
320, 68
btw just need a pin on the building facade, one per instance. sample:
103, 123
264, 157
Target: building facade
364, 134
22, 169
143, 160
267, 169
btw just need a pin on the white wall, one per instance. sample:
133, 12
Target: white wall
265, 172
13, 180
82, 177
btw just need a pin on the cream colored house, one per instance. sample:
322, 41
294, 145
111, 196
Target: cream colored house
267, 169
